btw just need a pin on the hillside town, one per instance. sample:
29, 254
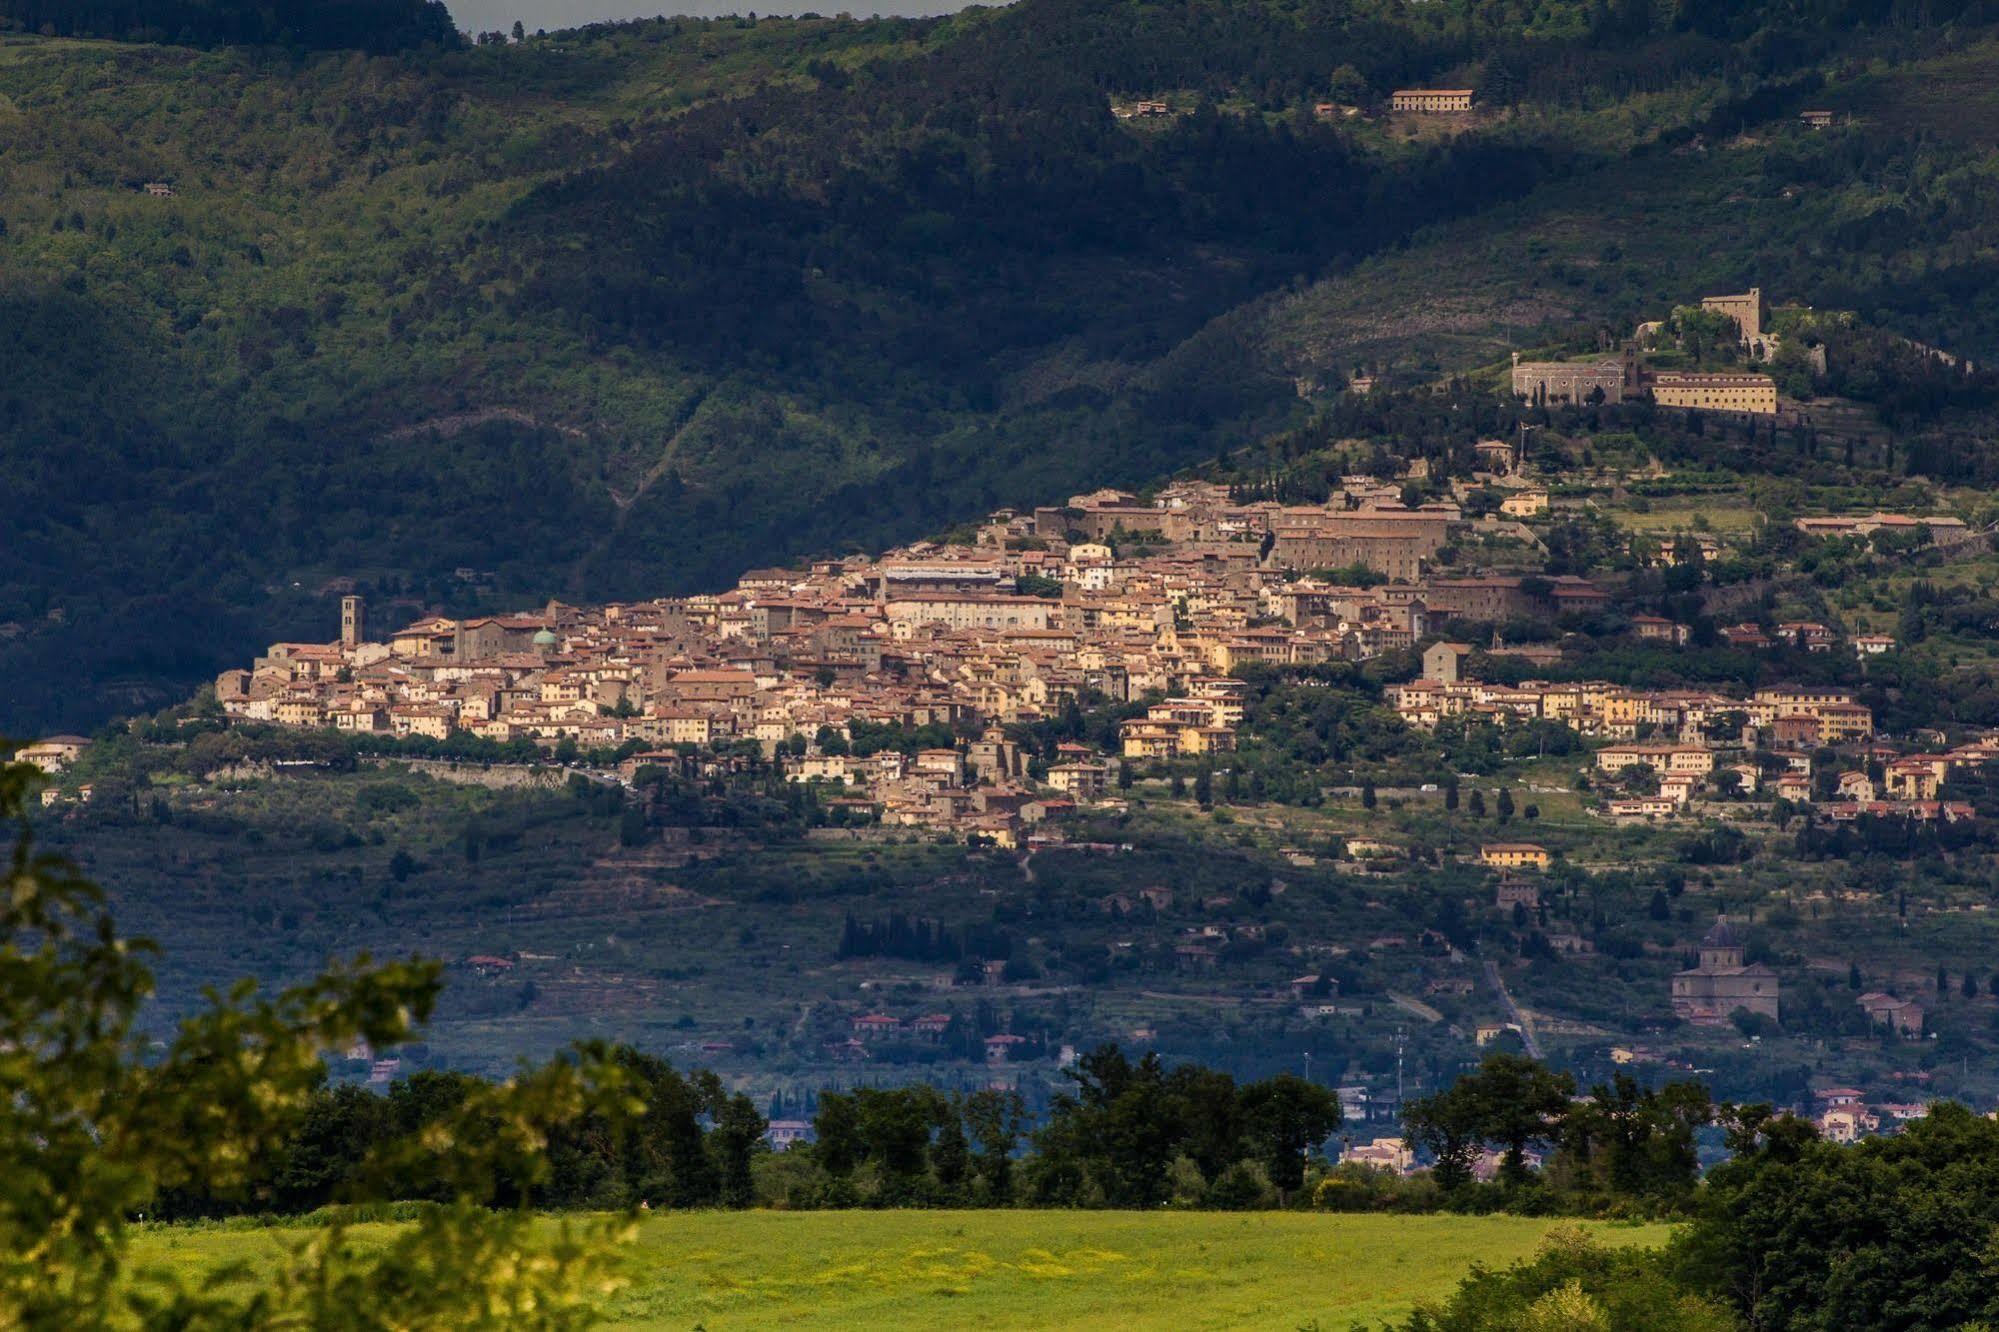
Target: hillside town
1104, 599
1156, 605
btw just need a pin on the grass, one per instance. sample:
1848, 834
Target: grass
1040, 1270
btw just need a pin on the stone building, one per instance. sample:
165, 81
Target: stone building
1709, 994
353, 622
1393, 542
1568, 381
1746, 309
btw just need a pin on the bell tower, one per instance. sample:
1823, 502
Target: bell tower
353, 622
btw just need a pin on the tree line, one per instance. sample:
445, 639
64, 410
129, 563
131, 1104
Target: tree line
1126, 1132
920, 939
375, 26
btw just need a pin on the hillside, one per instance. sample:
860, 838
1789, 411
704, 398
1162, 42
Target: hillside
628, 309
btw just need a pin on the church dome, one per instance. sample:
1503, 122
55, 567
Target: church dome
1723, 935
544, 638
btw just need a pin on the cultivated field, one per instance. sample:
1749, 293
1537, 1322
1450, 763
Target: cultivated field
1041, 1270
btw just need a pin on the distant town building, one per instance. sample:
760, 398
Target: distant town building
785, 1133
1716, 391
1514, 855
1838, 525
1575, 382
1710, 993
1432, 101
1444, 662
1390, 1154
353, 623
1746, 309
1905, 1016
54, 753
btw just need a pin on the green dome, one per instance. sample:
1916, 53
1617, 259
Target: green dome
545, 638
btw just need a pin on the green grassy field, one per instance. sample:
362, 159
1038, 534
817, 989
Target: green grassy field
1016, 1269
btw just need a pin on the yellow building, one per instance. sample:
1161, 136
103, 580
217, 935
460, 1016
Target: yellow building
1149, 740
1684, 760
1431, 100
1514, 855
1716, 392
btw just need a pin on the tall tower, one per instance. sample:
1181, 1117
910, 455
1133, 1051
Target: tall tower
353, 624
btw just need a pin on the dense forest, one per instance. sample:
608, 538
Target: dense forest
625, 310
377, 26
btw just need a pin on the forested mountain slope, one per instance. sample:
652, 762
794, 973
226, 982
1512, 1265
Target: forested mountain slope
627, 309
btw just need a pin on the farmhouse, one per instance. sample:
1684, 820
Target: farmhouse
1514, 855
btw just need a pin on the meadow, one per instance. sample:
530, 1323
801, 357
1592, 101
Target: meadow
1011, 1269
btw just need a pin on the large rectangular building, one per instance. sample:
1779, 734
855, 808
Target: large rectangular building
1394, 542
1576, 382
1720, 391
1431, 100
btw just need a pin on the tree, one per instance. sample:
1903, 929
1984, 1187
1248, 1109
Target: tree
737, 1136
1638, 1142
1505, 805
1285, 1117
91, 1134
951, 1156
1514, 1101
996, 1120
1916, 1211
836, 1132
1451, 794
1476, 805
1367, 797
1575, 1284
520, 33
1204, 788
1446, 1125
1119, 1130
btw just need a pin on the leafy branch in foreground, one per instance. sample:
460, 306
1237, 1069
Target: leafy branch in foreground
93, 1128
